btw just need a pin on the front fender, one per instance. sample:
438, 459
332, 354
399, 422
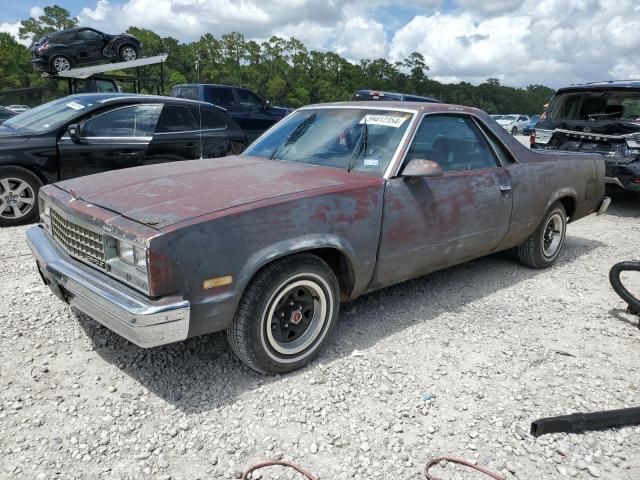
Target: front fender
291, 246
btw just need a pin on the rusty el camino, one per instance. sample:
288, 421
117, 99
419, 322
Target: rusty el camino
334, 201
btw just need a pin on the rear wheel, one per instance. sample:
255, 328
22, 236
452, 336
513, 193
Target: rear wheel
18, 196
285, 315
60, 63
128, 53
543, 247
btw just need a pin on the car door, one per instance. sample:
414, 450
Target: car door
111, 140
522, 122
176, 135
87, 44
431, 223
252, 115
219, 134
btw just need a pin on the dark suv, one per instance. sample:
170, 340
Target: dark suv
602, 118
253, 114
59, 51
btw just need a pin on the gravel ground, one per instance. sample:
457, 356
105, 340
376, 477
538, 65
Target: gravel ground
458, 363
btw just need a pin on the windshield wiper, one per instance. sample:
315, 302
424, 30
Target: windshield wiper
364, 138
296, 134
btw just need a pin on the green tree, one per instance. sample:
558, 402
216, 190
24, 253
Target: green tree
54, 18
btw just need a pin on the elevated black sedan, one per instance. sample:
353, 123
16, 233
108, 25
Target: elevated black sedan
91, 133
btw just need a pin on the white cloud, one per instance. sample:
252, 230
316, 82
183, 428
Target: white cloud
361, 38
549, 41
12, 28
553, 42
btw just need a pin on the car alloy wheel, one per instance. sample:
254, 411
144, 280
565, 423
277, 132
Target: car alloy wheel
61, 64
17, 198
129, 54
514, 131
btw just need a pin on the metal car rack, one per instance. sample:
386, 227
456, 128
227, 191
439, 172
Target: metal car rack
84, 73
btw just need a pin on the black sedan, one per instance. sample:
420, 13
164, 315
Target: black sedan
59, 51
91, 133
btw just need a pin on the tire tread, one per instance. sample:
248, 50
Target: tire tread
238, 331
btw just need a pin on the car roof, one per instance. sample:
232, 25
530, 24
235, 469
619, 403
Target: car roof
417, 107
104, 98
602, 85
395, 94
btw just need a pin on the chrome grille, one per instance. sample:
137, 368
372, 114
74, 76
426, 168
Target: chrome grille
79, 241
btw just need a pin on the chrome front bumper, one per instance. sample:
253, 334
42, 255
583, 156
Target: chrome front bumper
139, 319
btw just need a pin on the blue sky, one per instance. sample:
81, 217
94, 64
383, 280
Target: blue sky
554, 42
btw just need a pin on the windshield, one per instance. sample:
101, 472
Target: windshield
596, 105
346, 138
534, 119
48, 116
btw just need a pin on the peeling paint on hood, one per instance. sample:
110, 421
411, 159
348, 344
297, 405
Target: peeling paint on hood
163, 195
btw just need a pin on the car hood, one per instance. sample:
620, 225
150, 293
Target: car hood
284, 111
166, 194
505, 122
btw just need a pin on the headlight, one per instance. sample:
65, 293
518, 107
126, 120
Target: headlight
45, 212
126, 252
141, 259
132, 255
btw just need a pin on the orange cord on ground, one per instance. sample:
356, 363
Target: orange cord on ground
282, 463
459, 461
427, 475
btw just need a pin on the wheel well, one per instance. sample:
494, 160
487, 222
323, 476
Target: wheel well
337, 261
38, 174
569, 204
341, 267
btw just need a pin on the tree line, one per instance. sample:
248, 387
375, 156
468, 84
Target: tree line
281, 70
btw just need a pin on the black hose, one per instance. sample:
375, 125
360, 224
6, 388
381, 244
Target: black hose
616, 283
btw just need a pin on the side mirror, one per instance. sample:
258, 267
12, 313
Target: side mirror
266, 105
422, 168
74, 133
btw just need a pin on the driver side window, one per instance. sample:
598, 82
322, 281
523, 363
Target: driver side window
132, 121
454, 142
248, 101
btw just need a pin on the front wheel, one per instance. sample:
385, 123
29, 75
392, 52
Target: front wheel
18, 196
514, 131
543, 247
286, 314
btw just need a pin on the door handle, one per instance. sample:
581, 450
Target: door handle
128, 154
505, 188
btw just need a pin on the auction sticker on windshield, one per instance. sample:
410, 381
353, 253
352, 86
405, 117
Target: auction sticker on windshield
384, 120
75, 105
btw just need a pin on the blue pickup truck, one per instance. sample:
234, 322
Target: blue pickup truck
254, 114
